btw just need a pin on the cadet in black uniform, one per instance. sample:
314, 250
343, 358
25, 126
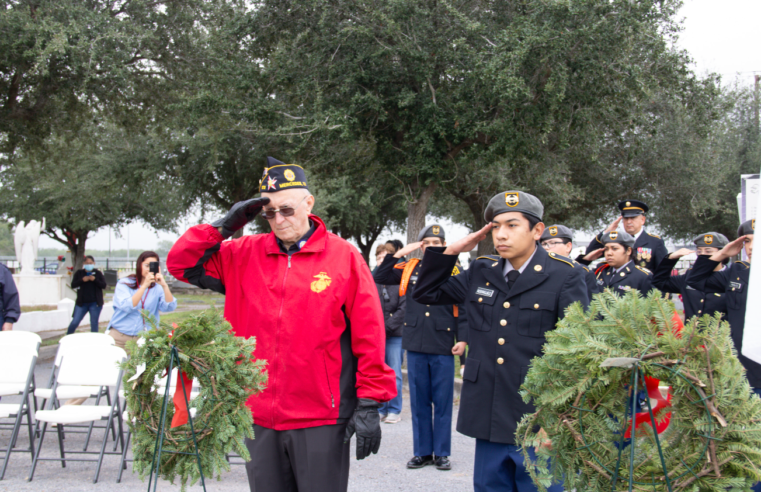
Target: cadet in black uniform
696, 302
734, 282
431, 335
649, 249
619, 273
559, 239
513, 300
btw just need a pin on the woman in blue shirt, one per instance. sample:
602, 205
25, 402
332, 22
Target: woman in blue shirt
141, 291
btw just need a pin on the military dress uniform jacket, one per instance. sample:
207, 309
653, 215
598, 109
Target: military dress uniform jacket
427, 329
648, 251
590, 280
631, 277
696, 302
506, 329
733, 282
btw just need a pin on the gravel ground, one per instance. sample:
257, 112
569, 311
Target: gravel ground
385, 471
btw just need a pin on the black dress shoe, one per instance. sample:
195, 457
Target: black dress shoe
420, 461
442, 463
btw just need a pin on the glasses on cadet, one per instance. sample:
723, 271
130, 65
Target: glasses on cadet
550, 244
285, 211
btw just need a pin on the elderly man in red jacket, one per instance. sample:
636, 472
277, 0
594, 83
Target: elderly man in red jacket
309, 299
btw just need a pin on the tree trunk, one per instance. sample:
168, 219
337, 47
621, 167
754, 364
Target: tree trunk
417, 209
238, 233
485, 247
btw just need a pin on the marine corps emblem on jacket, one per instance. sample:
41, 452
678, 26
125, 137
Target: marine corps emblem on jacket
322, 283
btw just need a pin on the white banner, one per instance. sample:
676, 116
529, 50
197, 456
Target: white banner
752, 331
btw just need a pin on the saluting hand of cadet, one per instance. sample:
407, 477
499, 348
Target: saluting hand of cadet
469, 242
594, 255
613, 225
408, 249
732, 249
680, 252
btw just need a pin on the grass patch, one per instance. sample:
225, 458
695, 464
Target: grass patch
42, 307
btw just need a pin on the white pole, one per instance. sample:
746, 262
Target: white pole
752, 331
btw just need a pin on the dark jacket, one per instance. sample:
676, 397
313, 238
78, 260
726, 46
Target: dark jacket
10, 307
648, 251
96, 285
631, 277
590, 280
696, 302
506, 329
427, 329
394, 307
734, 282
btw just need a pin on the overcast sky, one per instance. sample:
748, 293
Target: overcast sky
720, 35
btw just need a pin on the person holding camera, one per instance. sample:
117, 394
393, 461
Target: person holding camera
145, 290
89, 283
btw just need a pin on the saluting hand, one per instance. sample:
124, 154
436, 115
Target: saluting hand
408, 249
613, 225
469, 242
732, 249
681, 252
594, 255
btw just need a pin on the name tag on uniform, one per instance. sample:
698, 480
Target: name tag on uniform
484, 292
413, 278
736, 285
600, 282
624, 287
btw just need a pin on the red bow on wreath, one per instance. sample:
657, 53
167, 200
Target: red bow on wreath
180, 406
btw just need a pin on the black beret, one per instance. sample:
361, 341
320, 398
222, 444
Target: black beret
513, 201
746, 228
279, 176
632, 208
711, 240
433, 230
557, 230
621, 237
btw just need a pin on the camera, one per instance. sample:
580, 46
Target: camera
153, 267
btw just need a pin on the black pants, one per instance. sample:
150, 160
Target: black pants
301, 460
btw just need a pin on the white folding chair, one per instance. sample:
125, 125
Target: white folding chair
83, 366
65, 392
17, 369
20, 339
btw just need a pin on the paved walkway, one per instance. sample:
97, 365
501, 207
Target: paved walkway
383, 472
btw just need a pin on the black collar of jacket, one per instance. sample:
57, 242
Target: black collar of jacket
530, 278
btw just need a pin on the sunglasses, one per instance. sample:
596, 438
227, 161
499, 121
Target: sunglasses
285, 211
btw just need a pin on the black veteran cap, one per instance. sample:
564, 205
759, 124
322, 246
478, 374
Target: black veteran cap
621, 237
557, 230
513, 201
746, 228
632, 208
711, 240
279, 176
434, 230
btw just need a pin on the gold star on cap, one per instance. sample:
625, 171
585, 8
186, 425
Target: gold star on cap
538, 268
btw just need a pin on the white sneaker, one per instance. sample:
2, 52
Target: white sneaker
383, 417
393, 418
462, 371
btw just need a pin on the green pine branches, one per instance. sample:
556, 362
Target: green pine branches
713, 441
228, 374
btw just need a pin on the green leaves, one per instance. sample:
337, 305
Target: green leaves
581, 404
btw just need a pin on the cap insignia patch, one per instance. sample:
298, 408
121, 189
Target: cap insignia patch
628, 204
289, 175
512, 199
271, 183
614, 235
435, 230
708, 239
553, 231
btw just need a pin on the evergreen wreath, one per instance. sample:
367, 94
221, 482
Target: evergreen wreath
582, 389
223, 364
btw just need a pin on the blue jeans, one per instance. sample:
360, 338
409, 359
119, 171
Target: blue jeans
501, 467
79, 315
431, 380
394, 356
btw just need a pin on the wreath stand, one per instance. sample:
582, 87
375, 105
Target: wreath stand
159, 448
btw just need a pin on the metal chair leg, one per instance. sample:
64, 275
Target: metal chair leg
123, 462
37, 454
103, 447
60, 445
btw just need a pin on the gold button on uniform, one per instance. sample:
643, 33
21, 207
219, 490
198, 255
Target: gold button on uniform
538, 268
506, 305
500, 361
390, 315
700, 311
503, 322
701, 300
623, 274
449, 329
501, 341
536, 306
427, 314
480, 299
487, 284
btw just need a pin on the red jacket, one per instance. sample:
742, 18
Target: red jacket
316, 317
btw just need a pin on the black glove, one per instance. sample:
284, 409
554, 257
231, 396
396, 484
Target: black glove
366, 421
241, 214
